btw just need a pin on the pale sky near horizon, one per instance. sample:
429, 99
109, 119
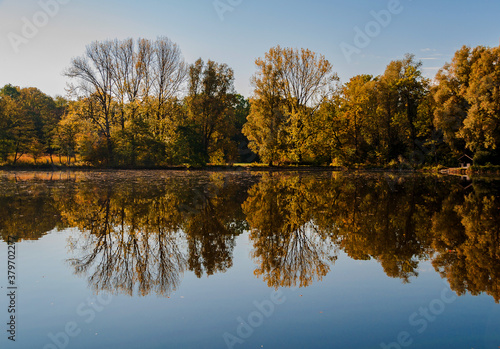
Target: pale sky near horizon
432, 30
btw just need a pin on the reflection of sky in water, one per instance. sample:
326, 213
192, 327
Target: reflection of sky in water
355, 305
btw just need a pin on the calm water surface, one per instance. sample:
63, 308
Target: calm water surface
240, 260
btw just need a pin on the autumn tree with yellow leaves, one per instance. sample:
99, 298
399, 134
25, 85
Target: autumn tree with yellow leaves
290, 86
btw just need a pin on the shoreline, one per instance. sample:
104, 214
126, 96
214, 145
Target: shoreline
474, 170
208, 168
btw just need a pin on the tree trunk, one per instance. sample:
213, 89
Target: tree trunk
16, 154
109, 146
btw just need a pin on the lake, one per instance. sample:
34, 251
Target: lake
248, 260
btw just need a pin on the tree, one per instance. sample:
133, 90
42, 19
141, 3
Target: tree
65, 138
94, 75
241, 106
265, 121
467, 99
453, 81
133, 85
45, 114
481, 128
28, 118
16, 129
210, 109
289, 87
85, 117
8, 112
330, 141
358, 119
169, 74
403, 90
387, 109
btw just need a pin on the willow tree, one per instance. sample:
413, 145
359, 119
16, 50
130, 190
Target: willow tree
289, 87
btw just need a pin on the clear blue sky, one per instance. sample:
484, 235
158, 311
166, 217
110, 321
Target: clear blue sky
432, 30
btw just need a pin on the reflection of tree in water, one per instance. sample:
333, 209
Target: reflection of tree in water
27, 208
134, 234
371, 218
467, 241
210, 236
140, 233
128, 240
297, 221
147, 234
290, 249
